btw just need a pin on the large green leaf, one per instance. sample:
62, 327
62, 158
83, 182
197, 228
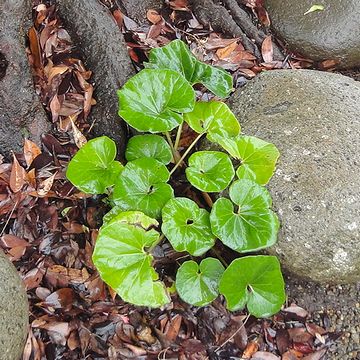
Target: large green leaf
199, 284
214, 118
93, 168
121, 258
255, 282
258, 157
150, 146
142, 186
154, 100
253, 225
177, 56
210, 171
187, 227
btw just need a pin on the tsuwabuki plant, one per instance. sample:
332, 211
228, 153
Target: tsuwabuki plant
145, 212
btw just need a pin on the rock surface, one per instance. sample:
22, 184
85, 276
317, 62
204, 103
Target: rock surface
13, 311
137, 9
21, 113
313, 118
333, 33
104, 51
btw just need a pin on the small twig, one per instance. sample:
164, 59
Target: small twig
233, 335
186, 153
178, 136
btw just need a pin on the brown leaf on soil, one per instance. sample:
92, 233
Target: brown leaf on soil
250, 350
79, 138
267, 50
225, 52
60, 299
17, 176
262, 355
318, 355
296, 310
179, 5
10, 241
46, 185
119, 18
35, 48
31, 151
299, 335
282, 340
153, 16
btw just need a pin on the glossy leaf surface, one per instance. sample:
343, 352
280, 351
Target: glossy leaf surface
154, 100
210, 171
187, 227
258, 157
177, 56
255, 282
199, 284
122, 260
253, 225
214, 118
93, 168
150, 146
142, 186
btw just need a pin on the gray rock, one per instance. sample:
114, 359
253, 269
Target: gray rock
13, 311
333, 33
21, 113
313, 118
104, 51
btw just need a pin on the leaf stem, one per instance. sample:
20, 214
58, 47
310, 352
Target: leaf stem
207, 198
186, 153
178, 136
156, 243
175, 153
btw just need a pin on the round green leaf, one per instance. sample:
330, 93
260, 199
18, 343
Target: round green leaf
187, 227
255, 282
199, 285
253, 225
258, 157
142, 186
122, 261
153, 100
210, 171
150, 146
177, 56
214, 118
93, 168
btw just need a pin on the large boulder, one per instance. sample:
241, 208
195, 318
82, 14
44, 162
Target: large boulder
13, 311
314, 119
21, 113
333, 33
104, 51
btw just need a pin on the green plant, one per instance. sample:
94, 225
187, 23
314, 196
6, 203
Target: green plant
145, 212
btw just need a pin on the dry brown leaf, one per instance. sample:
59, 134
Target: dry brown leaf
250, 350
31, 151
153, 16
55, 107
262, 355
35, 48
17, 176
225, 52
79, 138
119, 18
45, 186
267, 50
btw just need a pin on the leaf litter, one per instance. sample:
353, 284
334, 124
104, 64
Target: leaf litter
48, 229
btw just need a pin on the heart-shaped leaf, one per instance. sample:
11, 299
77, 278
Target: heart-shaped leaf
142, 186
199, 284
253, 225
258, 157
187, 227
93, 168
177, 56
259, 285
121, 258
154, 100
210, 171
214, 118
150, 146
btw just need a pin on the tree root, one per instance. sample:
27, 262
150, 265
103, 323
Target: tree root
232, 19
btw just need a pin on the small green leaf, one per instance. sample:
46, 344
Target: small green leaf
187, 227
121, 258
258, 157
150, 146
214, 118
177, 56
199, 285
93, 168
210, 171
314, 8
154, 100
253, 226
142, 186
259, 285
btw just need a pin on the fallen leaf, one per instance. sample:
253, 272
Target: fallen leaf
79, 138
35, 47
318, 355
314, 8
250, 350
17, 176
267, 50
45, 186
153, 16
31, 151
262, 355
